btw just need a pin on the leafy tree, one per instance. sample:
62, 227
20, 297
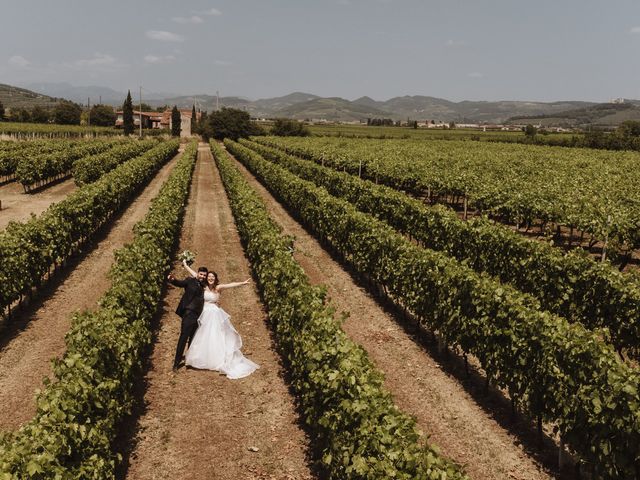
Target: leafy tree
175, 122
452, 124
39, 115
127, 115
377, 122
629, 129
202, 122
103, 116
530, 131
230, 123
145, 107
22, 115
1, 111
415, 124
67, 113
286, 127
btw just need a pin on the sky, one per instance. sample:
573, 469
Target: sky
455, 49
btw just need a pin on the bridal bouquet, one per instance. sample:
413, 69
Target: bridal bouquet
187, 256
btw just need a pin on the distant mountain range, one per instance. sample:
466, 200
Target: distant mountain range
96, 94
303, 106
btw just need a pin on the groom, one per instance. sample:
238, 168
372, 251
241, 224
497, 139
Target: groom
189, 309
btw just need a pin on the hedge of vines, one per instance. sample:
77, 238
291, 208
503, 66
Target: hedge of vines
78, 413
557, 371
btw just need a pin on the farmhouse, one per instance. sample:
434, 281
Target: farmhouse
185, 120
149, 119
160, 120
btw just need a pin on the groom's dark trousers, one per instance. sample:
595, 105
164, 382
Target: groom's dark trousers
189, 310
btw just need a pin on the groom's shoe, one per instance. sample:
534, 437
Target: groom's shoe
178, 366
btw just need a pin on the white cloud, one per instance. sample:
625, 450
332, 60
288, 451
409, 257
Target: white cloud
99, 62
19, 61
475, 75
454, 43
634, 30
98, 59
193, 19
164, 36
211, 11
159, 59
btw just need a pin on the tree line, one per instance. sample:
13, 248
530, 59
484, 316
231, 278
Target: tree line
625, 137
63, 113
225, 123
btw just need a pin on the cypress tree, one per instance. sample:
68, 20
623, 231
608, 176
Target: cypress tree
127, 115
193, 119
175, 122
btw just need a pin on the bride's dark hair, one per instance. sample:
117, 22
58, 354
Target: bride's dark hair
216, 281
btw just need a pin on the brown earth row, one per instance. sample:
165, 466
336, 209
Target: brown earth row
29, 341
199, 424
18, 206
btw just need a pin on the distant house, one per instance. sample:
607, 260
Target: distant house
160, 120
185, 120
149, 119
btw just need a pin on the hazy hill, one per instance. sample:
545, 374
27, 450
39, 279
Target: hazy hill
305, 105
602, 114
107, 95
332, 109
369, 102
79, 94
419, 107
279, 103
15, 97
203, 102
302, 105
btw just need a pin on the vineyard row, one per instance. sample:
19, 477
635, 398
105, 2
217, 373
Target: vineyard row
593, 192
29, 250
570, 285
358, 431
557, 371
79, 412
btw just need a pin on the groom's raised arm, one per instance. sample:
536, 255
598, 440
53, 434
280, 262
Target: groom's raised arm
176, 282
191, 271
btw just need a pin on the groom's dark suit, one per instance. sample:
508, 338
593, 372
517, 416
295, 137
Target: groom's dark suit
189, 310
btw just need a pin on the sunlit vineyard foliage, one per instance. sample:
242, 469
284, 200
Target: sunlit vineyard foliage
592, 191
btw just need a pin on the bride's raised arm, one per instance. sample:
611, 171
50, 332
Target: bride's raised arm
224, 286
191, 271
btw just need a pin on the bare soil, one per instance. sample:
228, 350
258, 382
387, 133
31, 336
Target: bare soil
33, 337
199, 424
465, 427
18, 206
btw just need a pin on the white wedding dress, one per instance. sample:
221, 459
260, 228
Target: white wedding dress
216, 344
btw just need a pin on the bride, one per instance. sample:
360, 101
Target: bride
216, 344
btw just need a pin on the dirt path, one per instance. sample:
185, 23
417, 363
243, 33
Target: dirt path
420, 385
199, 424
17, 205
25, 357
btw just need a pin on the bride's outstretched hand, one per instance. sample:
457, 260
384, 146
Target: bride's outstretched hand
246, 282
